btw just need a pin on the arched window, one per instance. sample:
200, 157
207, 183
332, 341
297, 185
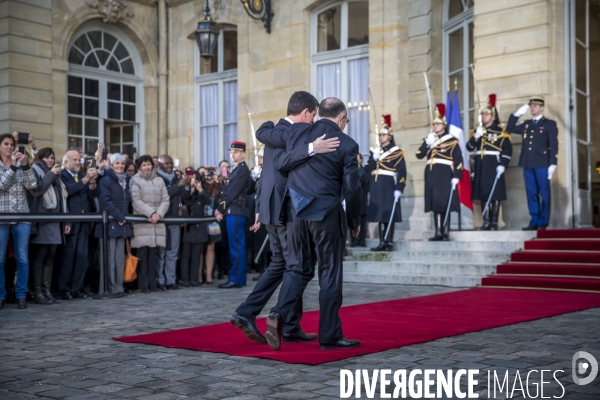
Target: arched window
340, 62
104, 94
217, 99
458, 55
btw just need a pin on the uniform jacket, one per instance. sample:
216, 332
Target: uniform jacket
492, 149
540, 142
444, 162
271, 194
318, 186
114, 199
80, 199
149, 195
235, 191
382, 186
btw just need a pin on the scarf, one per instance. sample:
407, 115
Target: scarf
168, 177
149, 176
122, 178
49, 197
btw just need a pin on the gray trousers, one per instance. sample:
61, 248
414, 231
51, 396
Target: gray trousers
166, 269
115, 266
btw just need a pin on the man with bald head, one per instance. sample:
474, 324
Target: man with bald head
81, 189
167, 265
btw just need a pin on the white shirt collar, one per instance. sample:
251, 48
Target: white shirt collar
289, 120
537, 119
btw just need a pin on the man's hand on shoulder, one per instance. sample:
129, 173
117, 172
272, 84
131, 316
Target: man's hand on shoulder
322, 145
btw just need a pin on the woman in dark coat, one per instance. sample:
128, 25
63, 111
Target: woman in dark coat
194, 235
115, 197
50, 196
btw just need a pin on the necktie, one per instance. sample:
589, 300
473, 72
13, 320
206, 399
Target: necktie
76, 178
535, 122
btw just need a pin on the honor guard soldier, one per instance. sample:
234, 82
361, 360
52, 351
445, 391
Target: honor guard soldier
234, 205
538, 158
387, 169
442, 173
493, 151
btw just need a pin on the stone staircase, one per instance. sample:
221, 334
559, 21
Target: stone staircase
461, 262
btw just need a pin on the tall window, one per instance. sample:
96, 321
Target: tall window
103, 91
340, 59
216, 92
458, 55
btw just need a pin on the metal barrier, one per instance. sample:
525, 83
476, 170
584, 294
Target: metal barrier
103, 218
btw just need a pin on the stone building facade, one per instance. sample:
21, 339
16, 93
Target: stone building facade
129, 74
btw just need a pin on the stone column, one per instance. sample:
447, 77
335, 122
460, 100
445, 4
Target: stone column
162, 77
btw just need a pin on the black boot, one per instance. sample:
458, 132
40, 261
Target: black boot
46, 284
494, 210
437, 221
486, 221
389, 243
445, 228
37, 295
381, 246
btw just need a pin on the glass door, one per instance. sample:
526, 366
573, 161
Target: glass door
121, 138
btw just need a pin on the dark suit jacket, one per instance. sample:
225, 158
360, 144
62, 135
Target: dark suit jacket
318, 186
271, 194
540, 142
79, 199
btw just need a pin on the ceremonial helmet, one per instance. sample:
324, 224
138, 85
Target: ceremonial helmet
440, 114
490, 108
386, 125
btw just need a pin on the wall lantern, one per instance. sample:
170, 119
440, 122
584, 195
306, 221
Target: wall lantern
207, 35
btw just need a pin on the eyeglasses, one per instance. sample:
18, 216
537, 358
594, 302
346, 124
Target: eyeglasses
347, 120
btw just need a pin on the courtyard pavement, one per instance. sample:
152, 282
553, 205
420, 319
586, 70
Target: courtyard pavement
65, 351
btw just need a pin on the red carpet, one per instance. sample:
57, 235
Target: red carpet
560, 259
387, 325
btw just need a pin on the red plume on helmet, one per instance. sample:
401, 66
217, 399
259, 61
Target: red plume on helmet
493, 100
440, 114
441, 109
387, 118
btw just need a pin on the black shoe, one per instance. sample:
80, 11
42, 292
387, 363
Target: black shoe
389, 246
155, 289
174, 286
299, 336
257, 278
67, 296
146, 291
530, 228
485, 227
80, 295
343, 343
248, 327
49, 296
21, 304
493, 227
381, 247
445, 237
209, 283
274, 330
195, 284
161, 287
39, 298
185, 284
228, 285
436, 238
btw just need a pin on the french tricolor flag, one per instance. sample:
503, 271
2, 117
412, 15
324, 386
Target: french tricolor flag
456, 130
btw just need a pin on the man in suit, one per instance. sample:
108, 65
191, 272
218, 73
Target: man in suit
273, 209
316, 189
538, 158
233, 205
81, 190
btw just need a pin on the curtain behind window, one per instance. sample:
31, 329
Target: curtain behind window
328, 81
231, 114
209, 131
358, 99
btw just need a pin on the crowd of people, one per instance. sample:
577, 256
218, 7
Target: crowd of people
170, 256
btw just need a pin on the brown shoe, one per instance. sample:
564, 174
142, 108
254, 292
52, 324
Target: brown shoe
274, 330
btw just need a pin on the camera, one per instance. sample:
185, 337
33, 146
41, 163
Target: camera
211, 173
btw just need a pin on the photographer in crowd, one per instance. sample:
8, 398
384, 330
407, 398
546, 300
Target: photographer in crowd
15, 177
49, 197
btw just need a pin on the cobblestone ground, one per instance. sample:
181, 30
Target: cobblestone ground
66, 351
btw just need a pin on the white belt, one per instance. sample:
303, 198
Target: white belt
440, 161
488, 153
385, 172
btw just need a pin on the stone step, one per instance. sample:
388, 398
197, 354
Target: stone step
449, 256
495, 247
408, 279
419, 268
463, 236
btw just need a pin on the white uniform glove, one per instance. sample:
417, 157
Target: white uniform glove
479, 132
551, 170
256, 172
430, 139
521, 111
397, 195
454, 182
500, 170
376, 151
